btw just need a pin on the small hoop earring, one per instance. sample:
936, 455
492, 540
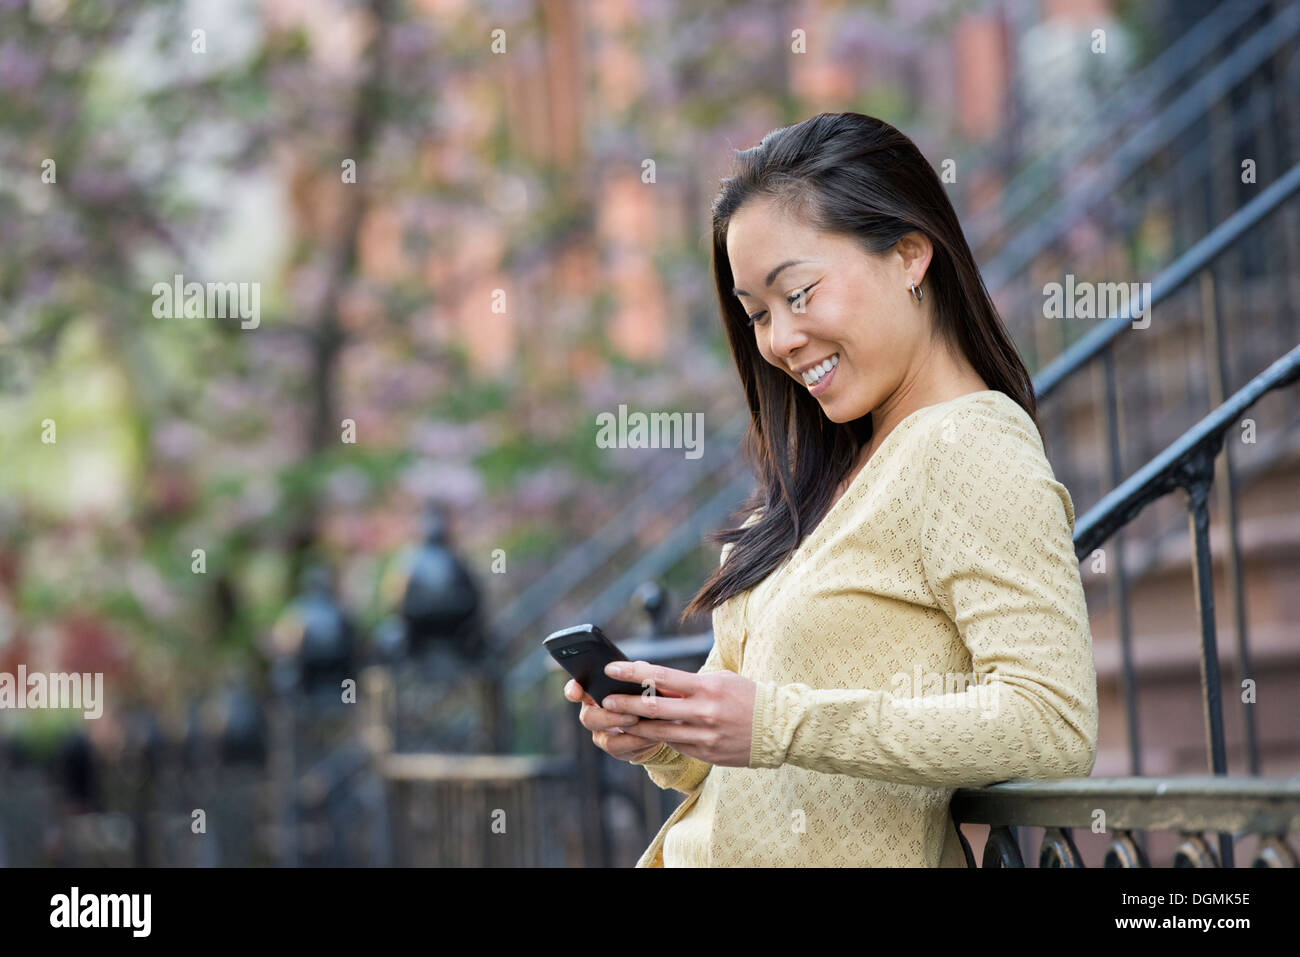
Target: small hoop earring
916, 291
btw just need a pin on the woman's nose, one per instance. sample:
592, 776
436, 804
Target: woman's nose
787, 338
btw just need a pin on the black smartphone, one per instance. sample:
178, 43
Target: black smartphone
584, 651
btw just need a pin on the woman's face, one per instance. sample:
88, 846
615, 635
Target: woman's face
855, 310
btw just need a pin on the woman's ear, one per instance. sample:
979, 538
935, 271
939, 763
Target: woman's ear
914, 251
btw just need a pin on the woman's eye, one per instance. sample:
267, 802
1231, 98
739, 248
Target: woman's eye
791, 299
801, 294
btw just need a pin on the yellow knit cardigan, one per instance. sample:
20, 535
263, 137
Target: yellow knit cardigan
929, 633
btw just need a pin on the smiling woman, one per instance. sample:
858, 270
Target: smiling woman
907, 532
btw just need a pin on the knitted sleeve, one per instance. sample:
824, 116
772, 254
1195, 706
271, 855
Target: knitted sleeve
998, 558
668, 767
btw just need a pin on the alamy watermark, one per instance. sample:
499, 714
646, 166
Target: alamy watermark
1098, 300
947, 689
653, 430
58, 690
215, 300
129, 911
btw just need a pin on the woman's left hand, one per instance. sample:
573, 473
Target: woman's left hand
708, 716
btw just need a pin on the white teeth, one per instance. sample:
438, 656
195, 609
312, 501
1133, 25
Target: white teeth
815, 374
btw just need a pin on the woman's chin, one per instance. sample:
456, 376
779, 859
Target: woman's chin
830, 409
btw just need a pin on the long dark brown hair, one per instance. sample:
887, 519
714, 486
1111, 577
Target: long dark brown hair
857, 176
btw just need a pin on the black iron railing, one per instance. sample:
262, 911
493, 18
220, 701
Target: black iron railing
1189, 265
1054, 162
1125, 807
1054, 223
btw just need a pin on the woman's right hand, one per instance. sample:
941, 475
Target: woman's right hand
606, 727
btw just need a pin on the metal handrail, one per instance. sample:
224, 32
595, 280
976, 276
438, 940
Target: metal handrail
1190, 806
1203, 803
1182, 462
1021, 249
1267, 456
1186, 266
1163, 74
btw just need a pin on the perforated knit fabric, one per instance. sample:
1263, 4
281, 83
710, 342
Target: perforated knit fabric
930, 633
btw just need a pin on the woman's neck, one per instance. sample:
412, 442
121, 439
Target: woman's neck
940, 376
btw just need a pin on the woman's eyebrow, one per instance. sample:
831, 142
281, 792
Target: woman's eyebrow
771, 277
